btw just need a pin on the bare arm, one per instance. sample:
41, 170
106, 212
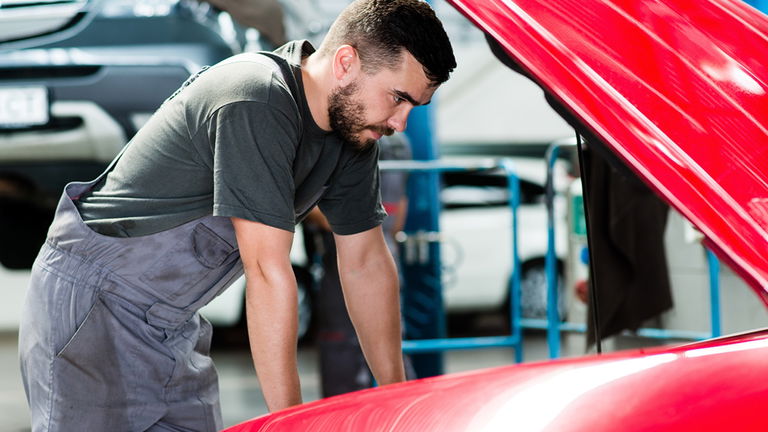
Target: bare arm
271, 310
371, 291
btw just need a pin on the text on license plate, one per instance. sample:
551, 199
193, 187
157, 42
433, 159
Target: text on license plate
23, 106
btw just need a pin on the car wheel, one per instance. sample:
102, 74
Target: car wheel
533, 290
237, 334
304, 285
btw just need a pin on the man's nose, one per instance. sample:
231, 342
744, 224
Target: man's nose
399, 119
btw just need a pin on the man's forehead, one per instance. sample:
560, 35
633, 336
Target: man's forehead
413, 84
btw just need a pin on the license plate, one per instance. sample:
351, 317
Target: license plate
23, 106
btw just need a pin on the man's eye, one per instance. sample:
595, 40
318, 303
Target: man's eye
398, 99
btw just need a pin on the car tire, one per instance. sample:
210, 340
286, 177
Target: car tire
305, 285
236, 335
533, 290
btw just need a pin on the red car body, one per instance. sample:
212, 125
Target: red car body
677, 89
717, 385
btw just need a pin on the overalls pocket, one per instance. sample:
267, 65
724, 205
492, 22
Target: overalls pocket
111, 366
190, 266
94, 366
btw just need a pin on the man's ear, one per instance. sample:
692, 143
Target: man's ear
346, 64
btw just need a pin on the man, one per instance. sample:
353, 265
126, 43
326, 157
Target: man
211, 186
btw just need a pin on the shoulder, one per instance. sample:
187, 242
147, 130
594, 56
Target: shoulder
246, 77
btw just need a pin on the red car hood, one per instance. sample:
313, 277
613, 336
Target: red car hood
676, 88
710, 386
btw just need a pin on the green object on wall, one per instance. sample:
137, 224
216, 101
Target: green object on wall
578, 221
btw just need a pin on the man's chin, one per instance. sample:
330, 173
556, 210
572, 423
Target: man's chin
363, 143
358, 143
363, 140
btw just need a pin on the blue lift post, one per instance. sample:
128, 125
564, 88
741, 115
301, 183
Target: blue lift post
422, 293
553, 325
418, 241
714, 292
553, 318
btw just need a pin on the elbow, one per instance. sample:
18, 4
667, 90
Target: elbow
260, 273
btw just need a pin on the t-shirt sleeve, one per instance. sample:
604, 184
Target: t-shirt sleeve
352, 203
254, 145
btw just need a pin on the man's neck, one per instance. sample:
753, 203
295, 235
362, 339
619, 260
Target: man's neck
315, 73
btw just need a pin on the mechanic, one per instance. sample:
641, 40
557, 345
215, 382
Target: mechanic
211, 187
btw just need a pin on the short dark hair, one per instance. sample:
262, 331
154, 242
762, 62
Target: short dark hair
380, 29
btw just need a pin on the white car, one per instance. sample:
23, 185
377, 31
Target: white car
476, 239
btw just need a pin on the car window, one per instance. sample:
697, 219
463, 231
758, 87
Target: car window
470, 189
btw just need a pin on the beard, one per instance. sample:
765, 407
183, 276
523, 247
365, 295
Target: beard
347, 118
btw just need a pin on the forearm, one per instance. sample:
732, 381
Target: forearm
271, 310
371, 291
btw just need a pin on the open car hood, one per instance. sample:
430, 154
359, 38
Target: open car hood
675, 88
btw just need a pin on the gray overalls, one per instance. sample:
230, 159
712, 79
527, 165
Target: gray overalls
110, 339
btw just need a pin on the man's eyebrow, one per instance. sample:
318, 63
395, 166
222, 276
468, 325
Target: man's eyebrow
409, 98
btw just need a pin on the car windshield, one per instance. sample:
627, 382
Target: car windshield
468, 189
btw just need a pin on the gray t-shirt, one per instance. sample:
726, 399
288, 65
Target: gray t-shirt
237, 140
